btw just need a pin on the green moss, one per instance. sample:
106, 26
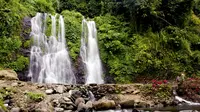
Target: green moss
37, 97
195, 19
27, 44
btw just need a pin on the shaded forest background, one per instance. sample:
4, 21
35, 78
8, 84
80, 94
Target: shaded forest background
153, 38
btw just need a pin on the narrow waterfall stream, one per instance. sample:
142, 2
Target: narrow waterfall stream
90, 53
49, 59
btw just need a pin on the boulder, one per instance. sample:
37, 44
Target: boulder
43, 107
1, 110
81, 107
66, 99
49, 91
103, 104
89, 105
127, 104
17, 109
79, 100
57, 109
129, 101
70, 107
68, 111
60, 89
8, 75
14, 84
75, 93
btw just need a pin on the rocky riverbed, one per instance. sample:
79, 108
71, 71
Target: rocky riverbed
17, 96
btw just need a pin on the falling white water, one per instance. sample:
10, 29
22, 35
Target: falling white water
49, 59
90, 53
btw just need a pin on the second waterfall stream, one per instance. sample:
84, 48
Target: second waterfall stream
90, 53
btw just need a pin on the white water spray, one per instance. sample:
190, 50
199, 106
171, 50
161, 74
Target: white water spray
49, 60
90, 53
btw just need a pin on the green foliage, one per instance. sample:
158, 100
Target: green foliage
37, 97
8, 47
2, 105
27, 44
73, 31
20, 64
12, 13
113, 38
40, 5
89, 8
136, 37
164, 54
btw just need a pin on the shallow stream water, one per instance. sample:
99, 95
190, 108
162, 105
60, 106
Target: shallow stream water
180, 108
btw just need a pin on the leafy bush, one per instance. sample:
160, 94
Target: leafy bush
20, 64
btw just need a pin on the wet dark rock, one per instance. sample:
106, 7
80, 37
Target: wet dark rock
26, 26
23, 75
25, 52
80, 73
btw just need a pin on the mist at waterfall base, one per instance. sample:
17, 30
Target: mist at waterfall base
90, 53
49, 59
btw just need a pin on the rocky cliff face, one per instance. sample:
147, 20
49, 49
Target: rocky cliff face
25, 49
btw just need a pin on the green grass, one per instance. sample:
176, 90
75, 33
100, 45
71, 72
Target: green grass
37, 97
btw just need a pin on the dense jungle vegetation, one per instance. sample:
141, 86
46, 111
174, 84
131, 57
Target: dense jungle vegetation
154, 38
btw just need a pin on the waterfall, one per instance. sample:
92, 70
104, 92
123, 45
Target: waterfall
90, 53
49, 59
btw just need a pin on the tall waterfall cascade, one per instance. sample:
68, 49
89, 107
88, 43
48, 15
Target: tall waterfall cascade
49, 59
90, 53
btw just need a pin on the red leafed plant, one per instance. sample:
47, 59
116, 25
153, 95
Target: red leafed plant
160, 89
157, 83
